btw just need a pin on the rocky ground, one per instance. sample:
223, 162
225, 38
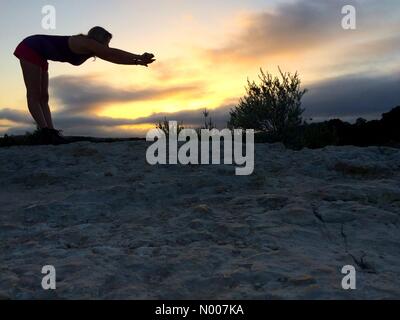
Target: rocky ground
115, 227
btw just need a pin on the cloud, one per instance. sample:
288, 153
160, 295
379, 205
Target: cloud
352, 97
24, 122
105, 126
15, 116
83, 95
347, 97
309, 33
301, 25
191, 118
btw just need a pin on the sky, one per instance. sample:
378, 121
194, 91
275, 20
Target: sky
206, 51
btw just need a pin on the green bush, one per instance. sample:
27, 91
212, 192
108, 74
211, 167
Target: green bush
273, 107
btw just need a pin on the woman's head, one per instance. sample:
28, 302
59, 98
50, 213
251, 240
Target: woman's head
100, 34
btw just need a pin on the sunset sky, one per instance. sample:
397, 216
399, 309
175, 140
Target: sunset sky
205, 52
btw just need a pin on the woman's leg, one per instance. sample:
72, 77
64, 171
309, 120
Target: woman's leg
32, 77
44, 99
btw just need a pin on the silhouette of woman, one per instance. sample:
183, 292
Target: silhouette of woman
33, 53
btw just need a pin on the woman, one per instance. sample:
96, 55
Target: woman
33, 53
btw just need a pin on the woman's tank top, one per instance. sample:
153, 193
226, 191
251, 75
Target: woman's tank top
55, 48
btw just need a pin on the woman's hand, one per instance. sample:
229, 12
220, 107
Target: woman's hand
146, 59
147, 55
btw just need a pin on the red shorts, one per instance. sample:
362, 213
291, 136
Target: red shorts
26, 53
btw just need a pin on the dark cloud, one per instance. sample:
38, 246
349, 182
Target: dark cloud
346, 97
93, 121
15, 116
353, 96
301, 25
105, 126
81, 95
191, 118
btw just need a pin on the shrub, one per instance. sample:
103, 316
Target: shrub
319, 135
274, 106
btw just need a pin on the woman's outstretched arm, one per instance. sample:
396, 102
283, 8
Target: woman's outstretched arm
114, 55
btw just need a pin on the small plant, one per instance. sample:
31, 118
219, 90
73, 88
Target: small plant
208, 124
164, 126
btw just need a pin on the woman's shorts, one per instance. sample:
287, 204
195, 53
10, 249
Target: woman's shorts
23, 51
